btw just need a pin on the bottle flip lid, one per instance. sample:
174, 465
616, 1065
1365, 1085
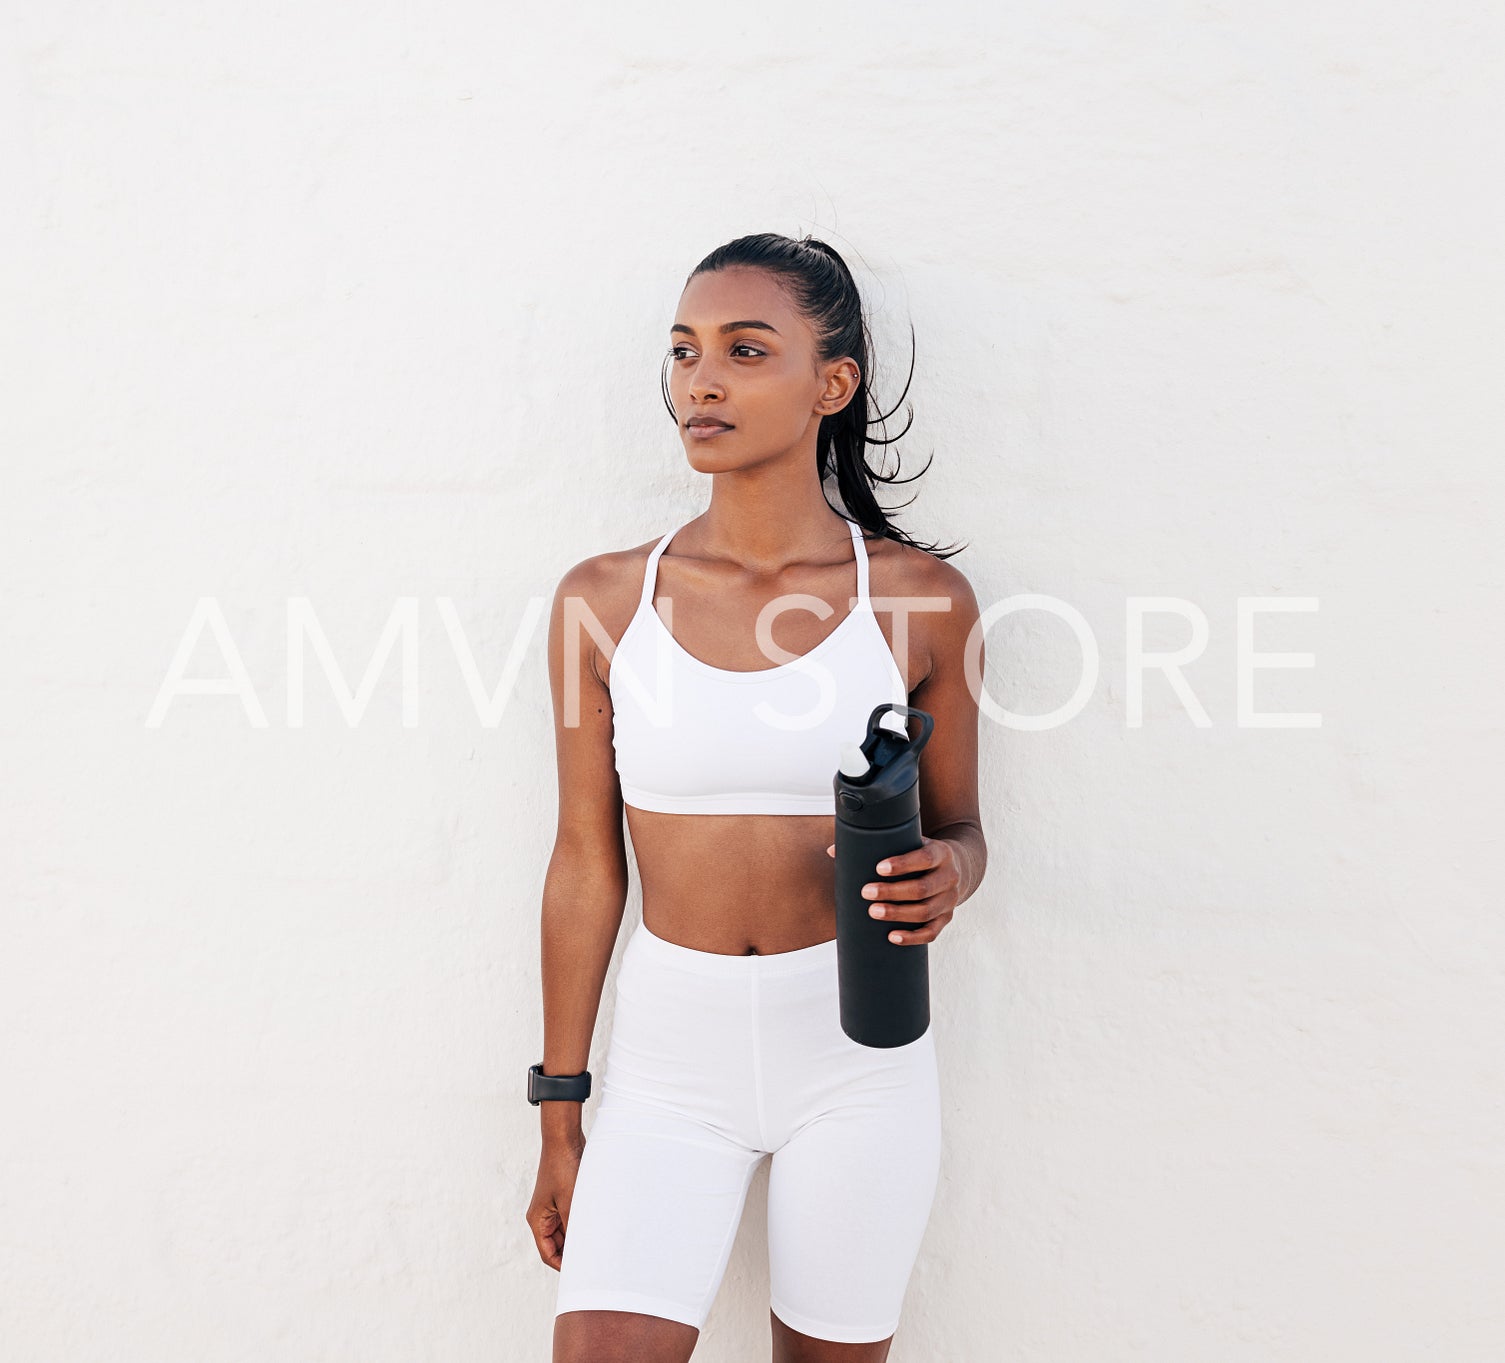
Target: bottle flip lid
879, 774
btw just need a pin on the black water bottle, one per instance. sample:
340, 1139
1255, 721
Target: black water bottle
885, 987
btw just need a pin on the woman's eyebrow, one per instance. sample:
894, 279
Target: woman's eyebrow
726, 327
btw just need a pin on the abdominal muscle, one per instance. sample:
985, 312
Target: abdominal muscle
736, 884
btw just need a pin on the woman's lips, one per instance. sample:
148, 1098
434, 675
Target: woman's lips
706, 432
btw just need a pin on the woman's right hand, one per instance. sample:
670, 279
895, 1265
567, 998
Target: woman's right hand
549, 1212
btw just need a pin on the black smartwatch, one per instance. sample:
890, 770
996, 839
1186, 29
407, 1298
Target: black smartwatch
574, 1088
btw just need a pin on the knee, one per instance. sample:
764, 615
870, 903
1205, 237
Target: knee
621, 1337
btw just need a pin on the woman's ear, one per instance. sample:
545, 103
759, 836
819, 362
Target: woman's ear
842, 381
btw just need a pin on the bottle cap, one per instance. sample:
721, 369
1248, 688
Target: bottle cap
877, 783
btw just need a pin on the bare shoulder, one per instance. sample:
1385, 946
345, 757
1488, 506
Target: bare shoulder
923, 574
603, 588
901, 570
602, 578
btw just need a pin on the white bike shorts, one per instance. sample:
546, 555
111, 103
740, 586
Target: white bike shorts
715, 1062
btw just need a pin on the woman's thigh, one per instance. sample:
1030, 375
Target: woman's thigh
654, 1214
850, 1193
672, 1149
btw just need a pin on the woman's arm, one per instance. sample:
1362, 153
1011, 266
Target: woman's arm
585, 890
952, 858
949, 800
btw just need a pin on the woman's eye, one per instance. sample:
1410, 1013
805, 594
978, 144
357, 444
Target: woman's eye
677, 352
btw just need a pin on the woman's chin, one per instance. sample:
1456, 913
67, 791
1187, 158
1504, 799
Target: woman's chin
706, 460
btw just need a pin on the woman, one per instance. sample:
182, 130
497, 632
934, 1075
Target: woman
726, 1043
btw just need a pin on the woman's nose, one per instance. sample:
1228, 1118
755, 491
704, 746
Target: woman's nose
705, 380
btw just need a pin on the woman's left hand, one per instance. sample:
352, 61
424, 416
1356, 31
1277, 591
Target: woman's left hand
930, 898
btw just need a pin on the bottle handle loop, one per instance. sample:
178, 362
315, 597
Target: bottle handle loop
927, 722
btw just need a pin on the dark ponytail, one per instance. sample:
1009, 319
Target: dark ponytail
823, 289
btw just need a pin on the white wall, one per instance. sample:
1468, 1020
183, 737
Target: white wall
361, 304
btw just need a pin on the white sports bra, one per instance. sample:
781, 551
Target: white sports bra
695, 739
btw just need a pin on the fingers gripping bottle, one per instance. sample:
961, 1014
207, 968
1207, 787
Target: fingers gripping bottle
884, 987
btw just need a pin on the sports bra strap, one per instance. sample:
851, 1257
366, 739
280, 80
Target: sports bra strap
651, 571
860, 549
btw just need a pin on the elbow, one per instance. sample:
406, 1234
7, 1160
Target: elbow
587, 875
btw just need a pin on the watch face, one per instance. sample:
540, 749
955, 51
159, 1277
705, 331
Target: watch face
542, 1087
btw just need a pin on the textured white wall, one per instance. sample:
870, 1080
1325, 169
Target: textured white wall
359, 305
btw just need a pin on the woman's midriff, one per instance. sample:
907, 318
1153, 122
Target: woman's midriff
736, 884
